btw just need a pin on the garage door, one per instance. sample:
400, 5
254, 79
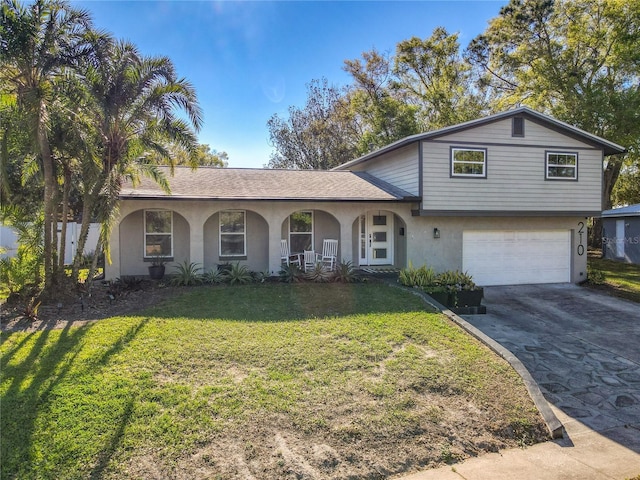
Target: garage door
517, 257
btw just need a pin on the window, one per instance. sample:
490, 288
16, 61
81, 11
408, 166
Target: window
301, 231
517, 127
562, 166
468, 162
158, 233
233, 233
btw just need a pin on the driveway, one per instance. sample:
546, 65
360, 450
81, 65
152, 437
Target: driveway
581, 347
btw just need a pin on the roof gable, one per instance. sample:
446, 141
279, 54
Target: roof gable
608, 147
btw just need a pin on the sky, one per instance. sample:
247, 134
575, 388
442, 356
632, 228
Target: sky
249, 60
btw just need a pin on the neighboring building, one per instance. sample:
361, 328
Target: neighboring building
621, 234
505, 197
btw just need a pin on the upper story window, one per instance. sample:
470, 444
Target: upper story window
561, 166
158, 233
233, 238
468, 162
301, 231
517, 127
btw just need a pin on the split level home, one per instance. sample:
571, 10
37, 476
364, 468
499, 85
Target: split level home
505, 198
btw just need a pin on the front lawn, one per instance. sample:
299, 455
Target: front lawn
619, 278
260, 381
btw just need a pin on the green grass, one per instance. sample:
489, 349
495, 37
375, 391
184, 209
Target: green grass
217, 373
621, 279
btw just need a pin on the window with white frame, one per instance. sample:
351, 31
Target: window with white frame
561, 166
468, 162
233, 233
301, 231
158, 233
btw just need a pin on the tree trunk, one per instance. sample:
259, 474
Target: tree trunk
609, 179
65, 214
88, 203
49, 198
94, 263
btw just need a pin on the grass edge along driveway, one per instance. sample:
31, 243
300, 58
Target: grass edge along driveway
266, 381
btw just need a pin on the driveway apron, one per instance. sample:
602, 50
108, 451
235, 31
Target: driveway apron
582, 348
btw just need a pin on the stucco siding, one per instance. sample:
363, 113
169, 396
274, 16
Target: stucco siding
445, 253
132, 235
399, 168
515, 173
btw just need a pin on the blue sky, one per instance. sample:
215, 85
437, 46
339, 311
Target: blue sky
250, 60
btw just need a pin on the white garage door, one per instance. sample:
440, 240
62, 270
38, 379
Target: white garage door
517, 257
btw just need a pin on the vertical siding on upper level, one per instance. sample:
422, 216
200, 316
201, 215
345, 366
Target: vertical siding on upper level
399, 168
515, 168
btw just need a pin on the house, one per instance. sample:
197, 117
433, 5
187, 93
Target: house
621, 234
505, 198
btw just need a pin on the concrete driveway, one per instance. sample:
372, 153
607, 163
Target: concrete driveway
582, 348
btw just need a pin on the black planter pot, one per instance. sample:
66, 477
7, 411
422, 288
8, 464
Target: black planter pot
156, 272
470, 298
441, 297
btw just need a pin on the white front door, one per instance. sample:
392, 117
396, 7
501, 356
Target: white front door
376, 238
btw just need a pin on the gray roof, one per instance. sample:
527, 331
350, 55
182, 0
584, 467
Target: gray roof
608, 147
268, 184
630, 211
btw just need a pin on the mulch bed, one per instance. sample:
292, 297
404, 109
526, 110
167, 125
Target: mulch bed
76, 308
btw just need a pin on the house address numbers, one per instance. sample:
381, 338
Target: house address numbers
580, 234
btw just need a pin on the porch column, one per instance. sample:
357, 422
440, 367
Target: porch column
112, 269
275, 235
196, 239
346, 240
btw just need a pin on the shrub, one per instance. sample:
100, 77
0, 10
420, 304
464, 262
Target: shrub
290, 274
187, 274
417, 277
595, 276
239, 274
214, 276
345, 273
319, 273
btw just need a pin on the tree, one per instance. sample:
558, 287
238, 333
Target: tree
37, 45
131, 110
432, 75
319, 136
383, 117
578, 60
202, 156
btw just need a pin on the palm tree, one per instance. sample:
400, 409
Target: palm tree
133, 105
37, 45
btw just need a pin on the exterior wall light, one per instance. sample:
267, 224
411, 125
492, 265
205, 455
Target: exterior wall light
436, 233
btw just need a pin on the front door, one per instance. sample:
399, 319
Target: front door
376, 238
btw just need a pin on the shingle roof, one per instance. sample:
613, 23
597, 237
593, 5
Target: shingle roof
630, 211
268, 184
609, 148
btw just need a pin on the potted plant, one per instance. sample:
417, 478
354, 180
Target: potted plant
156, 269
468, 294
439, 293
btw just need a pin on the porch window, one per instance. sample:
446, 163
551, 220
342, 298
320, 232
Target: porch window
469, 162
301, 231
158, 233
562, 166
233, 239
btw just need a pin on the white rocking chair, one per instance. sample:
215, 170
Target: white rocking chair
309, 260
329, 254
286, 257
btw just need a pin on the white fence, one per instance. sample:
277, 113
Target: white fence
9, 240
